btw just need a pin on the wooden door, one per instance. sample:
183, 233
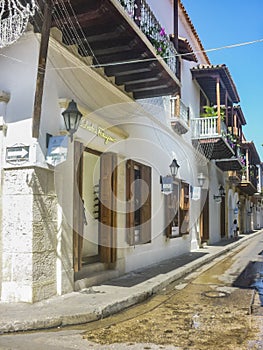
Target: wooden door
184, 208
223, 218
78, 218
108, 217
204, 219
146, 205
130, 224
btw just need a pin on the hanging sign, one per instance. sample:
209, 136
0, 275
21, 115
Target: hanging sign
57, 150
167, 184
196, 194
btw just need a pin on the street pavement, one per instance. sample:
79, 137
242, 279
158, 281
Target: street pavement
100, 301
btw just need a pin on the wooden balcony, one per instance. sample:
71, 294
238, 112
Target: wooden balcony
234, 177
248, 187
121, 36
209, 134
250, 178
179, 116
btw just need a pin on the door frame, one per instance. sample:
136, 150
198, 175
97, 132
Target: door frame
204, 218
107, 253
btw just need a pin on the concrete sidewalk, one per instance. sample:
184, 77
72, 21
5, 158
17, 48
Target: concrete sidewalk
113, 296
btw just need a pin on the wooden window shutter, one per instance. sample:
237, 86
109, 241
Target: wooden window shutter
108, 190
184, 208
130, 202
146, 210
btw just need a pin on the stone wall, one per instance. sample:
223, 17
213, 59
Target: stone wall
29, 235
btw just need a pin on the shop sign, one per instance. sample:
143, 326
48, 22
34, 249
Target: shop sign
96, 130
57, 150
17, 154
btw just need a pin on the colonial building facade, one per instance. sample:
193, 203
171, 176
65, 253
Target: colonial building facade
78, 210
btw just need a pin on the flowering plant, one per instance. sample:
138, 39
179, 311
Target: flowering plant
232, 140
242, 161
154, 32
158, 39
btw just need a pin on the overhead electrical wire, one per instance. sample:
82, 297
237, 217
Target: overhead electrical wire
161, 58
70, 31
62, 16
183, 54
154, 58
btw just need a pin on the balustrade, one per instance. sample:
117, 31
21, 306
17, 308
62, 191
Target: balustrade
179, 110
143, 16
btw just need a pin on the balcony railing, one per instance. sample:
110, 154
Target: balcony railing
179, 115
207, 127
143, 16
179, 110
234, 176
248, 185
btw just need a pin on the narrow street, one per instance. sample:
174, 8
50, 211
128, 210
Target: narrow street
212, 308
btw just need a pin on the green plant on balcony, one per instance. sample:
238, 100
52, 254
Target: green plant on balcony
211, 111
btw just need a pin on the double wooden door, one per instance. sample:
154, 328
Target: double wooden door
107, 207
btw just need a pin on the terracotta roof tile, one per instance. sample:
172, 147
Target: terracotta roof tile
193, 30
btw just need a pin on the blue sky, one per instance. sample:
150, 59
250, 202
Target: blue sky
226, 22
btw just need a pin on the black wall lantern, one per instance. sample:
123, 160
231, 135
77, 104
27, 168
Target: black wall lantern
72, 118
174, 166
221, 194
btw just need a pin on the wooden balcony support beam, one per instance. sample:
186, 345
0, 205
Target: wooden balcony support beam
175, 28
226, 99
218, 105
45, 32
247, 165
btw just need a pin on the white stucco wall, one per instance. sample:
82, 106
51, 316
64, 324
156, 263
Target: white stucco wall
163, 11
149, 142
216, 179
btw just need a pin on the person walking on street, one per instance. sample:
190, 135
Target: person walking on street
235, 229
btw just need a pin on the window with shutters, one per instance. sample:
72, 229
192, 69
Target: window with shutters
138, 196
184, 208
177, 210
172, 212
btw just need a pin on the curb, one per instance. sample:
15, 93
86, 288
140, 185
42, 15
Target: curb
146, 289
